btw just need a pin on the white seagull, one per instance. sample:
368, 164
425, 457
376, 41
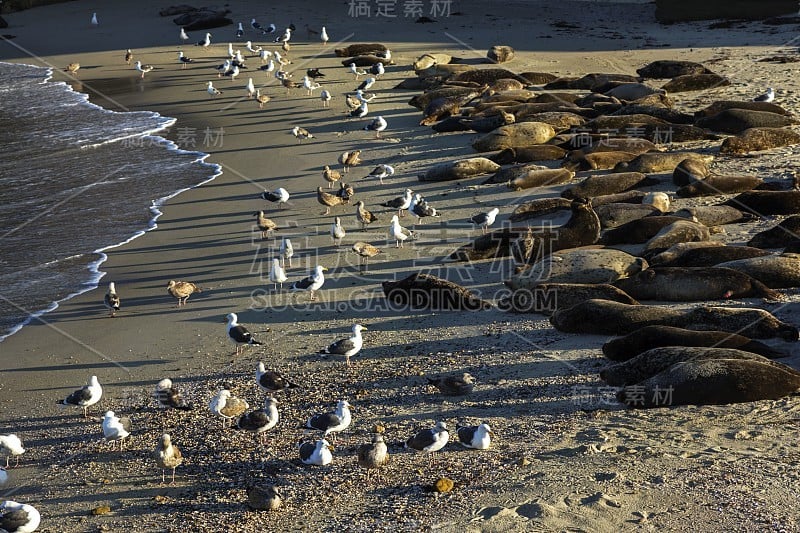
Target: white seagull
377, 69
231, 54
421, 208
94, 20
287, 35
357, 72
115, 428
264, 55
11, 445
286, 251
401, 203
250, 88
381, 171
377, 125
223, 69
206, 42
262, 420
337, 231
85, 397
279, 195
347, 347
312, 283
301, 133
239, 31
183, 36
366, 84
323, 35
212, 91
269, 29
768, 96
111, 300
484, 220
361, 97
227, 406
361, 111
477, 437
184, 60
269, 67
18, 517
253, 50
277, 274
399, 233
238, 334
325, 96
318, 453
333, 422
310, 86
144, 69
429, 440
255, 25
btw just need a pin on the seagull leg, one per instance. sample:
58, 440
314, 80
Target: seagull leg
173, 476
163, 476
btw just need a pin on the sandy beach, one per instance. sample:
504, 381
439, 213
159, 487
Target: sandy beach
567, 456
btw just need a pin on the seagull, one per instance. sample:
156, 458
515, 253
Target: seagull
301, 133
361, 111
420, 208
312, 283
385, 54
255, 25
285, 46
128, 56
182, 36
347, 347
272, 380
454, 385
366, 84
281, 61
264, 55
373, 455
111, 299
239, 31
350, 159
331, 176
73, 68
337, 231
357, 72
269, 67
212, 91
269, 29
253, 50
223, 68
10, 445
18, 517
85, 397
325, 96
144, 69
484, 220
262, 420
261, 99
94, 20
227, 406
377, 69
264, 224
318, 453
231, 54
363, 216
277, 274
401, 203
769, 96
167, 456
184, 60
476, 437
361, 97
314, 73
323, 36
287, 35
181, 290
266, 498
399, 233
250, 88
310, 86
233, 72
365, 250
333, 422
377, 125
206, 42
280, 195
238, 334
429, 440
286, 251
238, 58
170, 397
115, 428
345, 192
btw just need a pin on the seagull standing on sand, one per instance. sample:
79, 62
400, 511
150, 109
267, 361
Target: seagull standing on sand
361, 97
272, 380
318, 453
373, 455
181, 290
421, 209
361, 111
212, 91
167, 456
310, 86
253, 50
239, 31
286, 251
350, 159
277, 274
399, 233
250, 88
337, 231
377, 69
264, 224
262, 420
94, 20
325, 96
234, 72
366, 84
301, 133
184, 60
377, 125
238, 334
227, 406
223, 69
401, 203
73, 68
182, 36
484, 220
261, 99
328, 200
11, 445
111, 299
287, 35
85, 397
347, 347
357, 72
323, 36
364, 216
116, 428
364, 250
169, 396
206, 42
312, 283
331, 176
231, 54
144, 69
429, 440
264, 55
768, 96
18, 517
128, 56
475, 437
333, 422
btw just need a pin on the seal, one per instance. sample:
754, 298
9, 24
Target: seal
638, 231
519, 135
677, 250
487, 76
445, 106
444, 71
762, 203
714, 185
421, 101
518, 95
557, 97
722, 105
615, 214
597, 161
539, 207
670, 68
539, 152
560, 120
541, 178
660, 112
632, 344
607, 184
633, 145
695, 82
757, 139
546, 298
627, 197
690, 170
632, 91
505, 84
504, 175
659, 200
675, 133
693, 284
714, 215
679, 231
775, 271
487, 124
777, 236
737, 120
621, 319
460, 169
712, 382
622, 122
706, 256
578, 265
500, 54
656, 162
423, 291
649, 363
428, 60
360, 49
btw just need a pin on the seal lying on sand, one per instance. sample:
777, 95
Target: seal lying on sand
774, 271
423, 291
762, 203
777, 236
670, 68
579, 265
704, 256
549, 297
631, 345
693, 284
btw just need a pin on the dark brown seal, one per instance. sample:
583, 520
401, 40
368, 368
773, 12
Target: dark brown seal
695, 82
693, 284
614, 214
775, 271
637, 231
714, 185
632, 344
757, 139
670, 68
690, 170
423, 291
597, 160
722, 105
706, 256
714, 215
762, 203
777, 236
547, 298
737, 120
598, 185
539, 207
359, 49
655, 162
539, 152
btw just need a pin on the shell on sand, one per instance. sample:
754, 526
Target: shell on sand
464, 168
756, 139
579, 265
519, 135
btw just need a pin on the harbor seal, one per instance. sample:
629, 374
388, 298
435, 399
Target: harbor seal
560, 120
705, 256
428, 60
632, 344
757, 139
541, 178
695, 82
360, 49
693, 284
622, 122
649, 363
547, 298
488, 75
539, 152
670, 68
424, 291
445, 106
714, 185
677, 250
597, 160
500, 54
714, 215
737, 120
778, 236
463, 168
598, 185
578, 265
722, 105
421, 101
656, 162
632, 91
539, 207
615, 214
762, 203
679, 231
774, 271
519, 135
621, 319
637, 231
660, 112
659, 200
690, 170
712, 382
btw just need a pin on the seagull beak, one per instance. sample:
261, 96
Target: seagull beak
330, 447
491, 433
324, 269
364, 328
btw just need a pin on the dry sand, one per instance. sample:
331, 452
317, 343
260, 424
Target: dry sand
566, 456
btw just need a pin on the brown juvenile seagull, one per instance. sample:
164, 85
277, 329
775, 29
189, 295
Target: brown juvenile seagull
365, 250
226, 406
264, 224
331, 176
181, 290
363, 216
345, 192
170, 397
266, 498
128, 56
373, 455
167, 456
261, 99
454, 385
328, 200
350, 159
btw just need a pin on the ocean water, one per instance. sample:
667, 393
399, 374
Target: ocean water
76, 181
